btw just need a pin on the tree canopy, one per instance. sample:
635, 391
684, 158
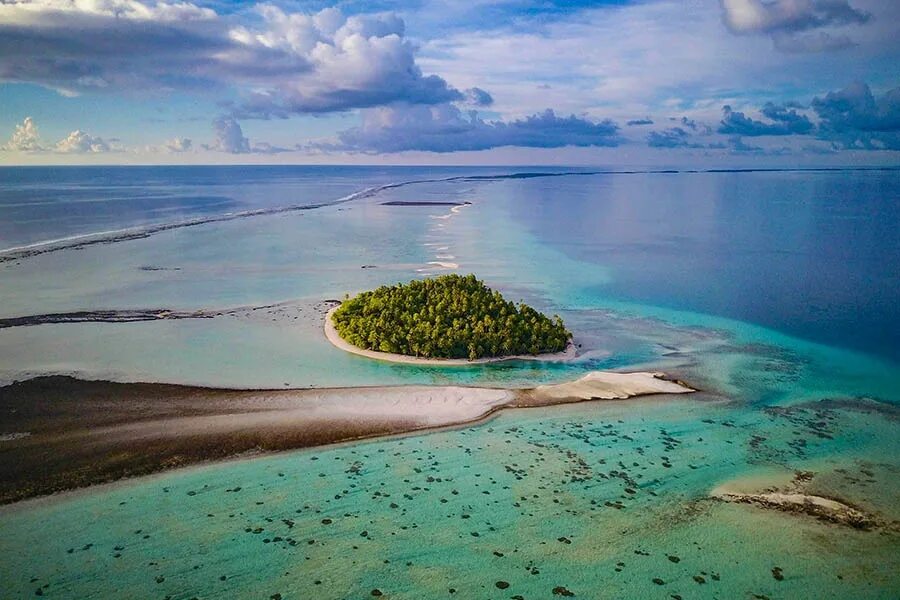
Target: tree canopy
450, 316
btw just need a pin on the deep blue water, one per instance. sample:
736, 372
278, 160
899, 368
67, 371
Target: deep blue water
813, 254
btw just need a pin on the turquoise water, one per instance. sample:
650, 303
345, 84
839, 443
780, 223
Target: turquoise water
593, 498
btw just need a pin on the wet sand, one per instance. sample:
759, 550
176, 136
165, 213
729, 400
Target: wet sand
59, 433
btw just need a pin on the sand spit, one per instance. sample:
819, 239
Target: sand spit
793, 498
88, 432
605, 385
336, 340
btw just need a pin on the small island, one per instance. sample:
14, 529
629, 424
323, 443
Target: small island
447, 318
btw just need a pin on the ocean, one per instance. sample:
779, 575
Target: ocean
775, 293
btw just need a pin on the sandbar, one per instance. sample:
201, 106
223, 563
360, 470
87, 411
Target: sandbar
794, 498
67, 433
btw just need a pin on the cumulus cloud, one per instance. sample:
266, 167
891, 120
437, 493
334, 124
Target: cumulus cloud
229, 137
855, 118
684, 136
701, 128
635, 122
478, 97
25, 138
855, 108
445, 128
80, 142
357, 62
849, 118
178, 144
756, 16
785, 121
739, 146
794, 25
674, 137
293, 62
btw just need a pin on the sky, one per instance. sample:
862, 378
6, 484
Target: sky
649, 83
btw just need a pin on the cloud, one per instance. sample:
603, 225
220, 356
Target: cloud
229, 137
357, 62
855, 118
117, 44
794, 25
738, 146
267, 148
79, 142
478, 97
785, 121
282, 63
855, 108
674, 137
701, 128
635, 122
445, 128
849, 118
678, 137
178, 144
756, 16
25, 138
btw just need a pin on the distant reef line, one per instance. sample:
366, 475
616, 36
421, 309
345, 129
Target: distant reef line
75, 242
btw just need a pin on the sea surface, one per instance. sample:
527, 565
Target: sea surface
776, 293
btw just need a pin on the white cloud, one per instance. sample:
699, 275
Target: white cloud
178, 144
25, 138
229, 136
360, 61
80, 142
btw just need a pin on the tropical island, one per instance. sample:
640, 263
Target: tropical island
446, 318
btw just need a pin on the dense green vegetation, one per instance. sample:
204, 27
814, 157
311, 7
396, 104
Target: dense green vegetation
447, 317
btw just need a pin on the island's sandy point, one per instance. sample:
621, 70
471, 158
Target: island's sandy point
335, 338
81, 433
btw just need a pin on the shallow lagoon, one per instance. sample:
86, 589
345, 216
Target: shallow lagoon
773, 403
595, 498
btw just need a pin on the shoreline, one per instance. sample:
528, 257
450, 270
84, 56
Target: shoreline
332, 335
83, 433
